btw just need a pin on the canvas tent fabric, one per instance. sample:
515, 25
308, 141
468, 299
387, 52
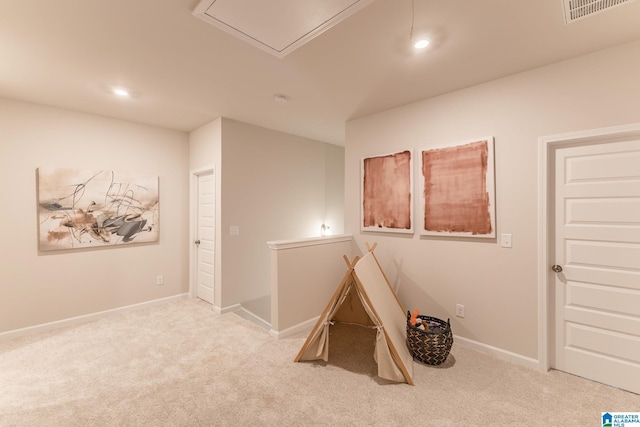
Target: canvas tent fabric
365, 297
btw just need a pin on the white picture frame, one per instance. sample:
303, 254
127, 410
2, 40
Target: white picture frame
457, 189
386, 193
81, 209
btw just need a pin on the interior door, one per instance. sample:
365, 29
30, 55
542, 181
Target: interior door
205, 241
597, 249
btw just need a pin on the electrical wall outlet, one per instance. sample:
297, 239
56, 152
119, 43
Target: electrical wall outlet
459, 310
160, 280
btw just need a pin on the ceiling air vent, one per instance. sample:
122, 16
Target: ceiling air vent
574, 10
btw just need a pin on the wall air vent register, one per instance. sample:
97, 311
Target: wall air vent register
575, 10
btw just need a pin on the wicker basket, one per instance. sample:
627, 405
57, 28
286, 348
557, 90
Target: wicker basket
431, 346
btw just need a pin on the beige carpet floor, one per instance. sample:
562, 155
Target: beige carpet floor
181, 364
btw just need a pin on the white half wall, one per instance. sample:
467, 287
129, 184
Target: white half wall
304, 275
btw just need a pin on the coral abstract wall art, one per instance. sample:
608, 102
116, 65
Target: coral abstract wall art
458, 190
387, 193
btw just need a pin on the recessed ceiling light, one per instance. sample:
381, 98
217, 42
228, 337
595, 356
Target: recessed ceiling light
120, 92
279, 98
421, 44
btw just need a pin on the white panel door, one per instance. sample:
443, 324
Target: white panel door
205, 237
597, 293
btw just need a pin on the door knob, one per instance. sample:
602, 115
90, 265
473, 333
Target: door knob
197, 242
557, 268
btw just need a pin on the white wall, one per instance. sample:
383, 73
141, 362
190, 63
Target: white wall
273, 186
298, 183
40, 288
334, 188
205, 145
498, 286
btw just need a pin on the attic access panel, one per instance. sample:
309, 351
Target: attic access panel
276, 26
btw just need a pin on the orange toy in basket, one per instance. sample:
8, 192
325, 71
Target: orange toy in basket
414, 317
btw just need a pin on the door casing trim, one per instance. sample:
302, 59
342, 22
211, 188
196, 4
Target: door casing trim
547, 145
193, 221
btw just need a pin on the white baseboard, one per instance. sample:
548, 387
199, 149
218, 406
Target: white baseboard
478, 346
300, 327
498, 352
87, 317
229, 309
243, 312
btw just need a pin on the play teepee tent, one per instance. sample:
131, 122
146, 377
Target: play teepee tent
366, 297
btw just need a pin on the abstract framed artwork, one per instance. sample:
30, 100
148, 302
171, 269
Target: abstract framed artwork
387, 193
95, 208
457, 189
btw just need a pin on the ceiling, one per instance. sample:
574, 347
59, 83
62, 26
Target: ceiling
184, 72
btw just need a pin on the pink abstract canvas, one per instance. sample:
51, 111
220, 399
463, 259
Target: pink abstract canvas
386, 192
457, 193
